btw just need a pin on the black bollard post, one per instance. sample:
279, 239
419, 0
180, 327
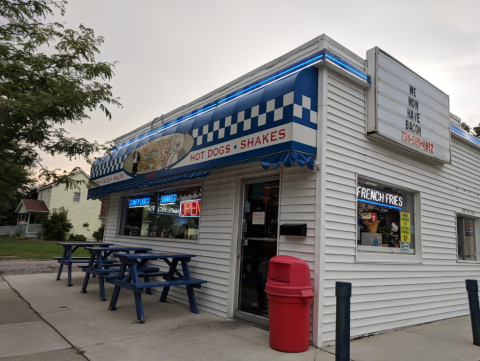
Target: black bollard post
343, 291
472, 289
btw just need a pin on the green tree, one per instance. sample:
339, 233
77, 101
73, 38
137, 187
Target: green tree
57, 226
465, 126
48, 77
98, 234
476, 130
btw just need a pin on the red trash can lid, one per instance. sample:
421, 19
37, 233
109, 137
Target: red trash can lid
289, 277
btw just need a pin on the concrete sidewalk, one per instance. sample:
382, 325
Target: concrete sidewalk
25, 336
172, 332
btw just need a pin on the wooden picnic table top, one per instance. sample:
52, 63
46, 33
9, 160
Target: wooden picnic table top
154, 255
117, 249
83, 244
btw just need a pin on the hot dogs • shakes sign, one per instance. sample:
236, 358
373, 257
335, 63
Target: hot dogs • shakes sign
160, 153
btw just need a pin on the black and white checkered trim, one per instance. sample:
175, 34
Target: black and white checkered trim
108, 167
306, 104
205, 133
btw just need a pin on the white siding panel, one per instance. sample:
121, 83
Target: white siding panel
387, 296
297, 205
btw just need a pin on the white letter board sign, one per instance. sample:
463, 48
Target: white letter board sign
406, 110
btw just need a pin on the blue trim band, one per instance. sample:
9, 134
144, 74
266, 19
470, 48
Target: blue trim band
379, 204
465, 135
272, 78
347, 67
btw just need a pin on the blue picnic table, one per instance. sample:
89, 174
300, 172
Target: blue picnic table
104, 268
128, 278
68, 260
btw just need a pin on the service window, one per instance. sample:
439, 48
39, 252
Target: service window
138, 218
385, 218
466, 238
172, 214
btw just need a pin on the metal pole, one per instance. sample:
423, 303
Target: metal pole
343, 291
472, 289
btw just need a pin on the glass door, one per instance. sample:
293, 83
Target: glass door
257, 244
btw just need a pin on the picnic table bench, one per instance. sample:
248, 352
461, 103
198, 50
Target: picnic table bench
100, 265
134, 262
67, 259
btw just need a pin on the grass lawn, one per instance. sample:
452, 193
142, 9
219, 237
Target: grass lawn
33, 249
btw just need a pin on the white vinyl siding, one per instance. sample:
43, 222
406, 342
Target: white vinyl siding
45, 196
217, 230
386, 296
297, 205
79, 213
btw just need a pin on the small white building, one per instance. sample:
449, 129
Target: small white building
360, 152
86, 215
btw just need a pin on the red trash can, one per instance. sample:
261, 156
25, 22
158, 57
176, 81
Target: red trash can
289, 293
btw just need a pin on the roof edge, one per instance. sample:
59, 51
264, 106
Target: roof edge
71, 175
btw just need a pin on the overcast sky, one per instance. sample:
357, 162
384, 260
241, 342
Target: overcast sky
172, 52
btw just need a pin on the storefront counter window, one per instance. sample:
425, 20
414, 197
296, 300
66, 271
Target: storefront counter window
174, 214
385, 218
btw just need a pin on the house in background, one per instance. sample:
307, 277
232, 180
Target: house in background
86, 215
30, 214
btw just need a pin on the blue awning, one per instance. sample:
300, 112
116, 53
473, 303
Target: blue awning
275, 124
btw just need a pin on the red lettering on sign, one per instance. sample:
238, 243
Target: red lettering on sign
417, 141
264, 139
190, 208
273, 136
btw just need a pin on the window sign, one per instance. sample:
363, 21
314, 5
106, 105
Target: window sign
258, 218
164, 209
405, 228
385, 219
468, 226
374, 196
139, 202
163, 215
137, 220
190, 208
168, 199
466, 238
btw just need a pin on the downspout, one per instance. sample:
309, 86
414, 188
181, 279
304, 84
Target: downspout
106, 219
